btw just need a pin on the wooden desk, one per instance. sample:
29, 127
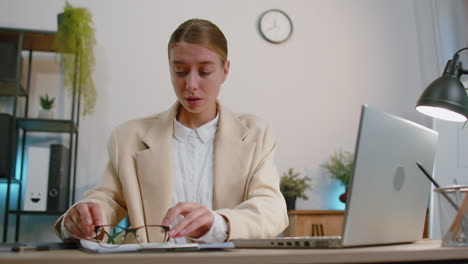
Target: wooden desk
315, 223
425, 251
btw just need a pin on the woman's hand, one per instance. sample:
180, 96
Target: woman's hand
197, 220
82, 218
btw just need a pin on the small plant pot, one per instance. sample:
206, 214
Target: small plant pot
45, 114
290, 203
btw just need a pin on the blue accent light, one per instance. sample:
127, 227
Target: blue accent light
13, 194
18, 165
17, 168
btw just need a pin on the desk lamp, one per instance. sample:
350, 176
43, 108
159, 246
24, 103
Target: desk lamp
446, 98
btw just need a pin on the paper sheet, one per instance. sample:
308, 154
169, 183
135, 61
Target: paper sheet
95, 247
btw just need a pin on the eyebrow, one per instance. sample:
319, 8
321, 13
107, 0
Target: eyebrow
181, 62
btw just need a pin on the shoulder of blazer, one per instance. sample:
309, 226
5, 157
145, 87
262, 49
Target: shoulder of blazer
259, 131
136, 127
251, 121
254, 124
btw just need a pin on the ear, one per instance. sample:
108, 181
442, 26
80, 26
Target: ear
226, 69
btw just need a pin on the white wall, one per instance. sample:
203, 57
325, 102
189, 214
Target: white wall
342, 54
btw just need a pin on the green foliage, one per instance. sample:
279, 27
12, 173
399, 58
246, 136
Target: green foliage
340, 166
74, 42
293, 186
46, 102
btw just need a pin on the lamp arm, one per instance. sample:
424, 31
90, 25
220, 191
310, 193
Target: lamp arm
462, 71
454, 67
466, 48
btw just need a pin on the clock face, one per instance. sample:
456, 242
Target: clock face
275, 26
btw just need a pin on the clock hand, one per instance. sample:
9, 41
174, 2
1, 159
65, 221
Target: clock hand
270, 28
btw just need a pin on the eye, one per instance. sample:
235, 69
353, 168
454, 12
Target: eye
180, 72
205, 73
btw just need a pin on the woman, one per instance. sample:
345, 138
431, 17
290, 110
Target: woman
207, 172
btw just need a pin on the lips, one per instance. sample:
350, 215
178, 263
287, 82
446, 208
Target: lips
193, 100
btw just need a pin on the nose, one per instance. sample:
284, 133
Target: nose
191, 82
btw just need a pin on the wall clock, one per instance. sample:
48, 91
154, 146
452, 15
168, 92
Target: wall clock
275, 26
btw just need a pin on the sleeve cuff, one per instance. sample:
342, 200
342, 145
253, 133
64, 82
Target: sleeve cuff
217, 233
63, 231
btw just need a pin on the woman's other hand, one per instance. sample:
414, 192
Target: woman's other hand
197, 220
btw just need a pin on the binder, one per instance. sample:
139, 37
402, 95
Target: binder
6, 146
8, 53
59, 181
35, 198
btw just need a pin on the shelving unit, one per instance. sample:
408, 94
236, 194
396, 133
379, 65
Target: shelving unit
32, 41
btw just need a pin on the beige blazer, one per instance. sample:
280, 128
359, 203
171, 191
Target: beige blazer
138, 178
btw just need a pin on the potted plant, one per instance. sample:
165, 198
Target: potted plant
47, 104
75, 42
293, 187
340, 167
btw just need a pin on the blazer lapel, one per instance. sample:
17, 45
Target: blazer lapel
154, 167
233, 155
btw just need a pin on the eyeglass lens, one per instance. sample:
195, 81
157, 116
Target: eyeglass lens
114, 236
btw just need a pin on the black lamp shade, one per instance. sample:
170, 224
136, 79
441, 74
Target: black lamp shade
446, 92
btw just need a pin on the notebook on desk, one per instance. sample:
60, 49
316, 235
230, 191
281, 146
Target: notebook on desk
388, 195
91, 246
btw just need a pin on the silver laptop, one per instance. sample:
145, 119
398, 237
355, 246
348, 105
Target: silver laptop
388, 195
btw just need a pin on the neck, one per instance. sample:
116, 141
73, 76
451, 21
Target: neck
195, 120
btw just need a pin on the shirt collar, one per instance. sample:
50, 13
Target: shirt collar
203, 133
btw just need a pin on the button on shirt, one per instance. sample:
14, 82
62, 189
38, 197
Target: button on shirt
193, 151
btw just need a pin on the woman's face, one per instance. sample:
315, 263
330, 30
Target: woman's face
197, 74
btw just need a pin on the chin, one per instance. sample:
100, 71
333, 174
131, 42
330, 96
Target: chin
194, 109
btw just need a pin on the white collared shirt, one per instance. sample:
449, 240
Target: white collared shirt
193, 155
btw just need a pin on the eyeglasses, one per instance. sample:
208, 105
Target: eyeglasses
113, 236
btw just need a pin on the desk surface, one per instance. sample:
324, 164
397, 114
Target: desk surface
423, 251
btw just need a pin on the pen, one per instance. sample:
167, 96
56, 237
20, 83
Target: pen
454, 205
29, 248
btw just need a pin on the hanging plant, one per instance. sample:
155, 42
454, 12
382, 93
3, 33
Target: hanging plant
74, 42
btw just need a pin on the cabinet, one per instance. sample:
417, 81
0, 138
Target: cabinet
321, 223
315, 223
17, 87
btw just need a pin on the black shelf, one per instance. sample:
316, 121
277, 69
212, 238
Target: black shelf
46, 125
37, 40
43, 41
8, 89
35, 212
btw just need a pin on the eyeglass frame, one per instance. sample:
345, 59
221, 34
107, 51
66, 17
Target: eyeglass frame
133, 231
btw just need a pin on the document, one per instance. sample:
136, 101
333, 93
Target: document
92, 246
